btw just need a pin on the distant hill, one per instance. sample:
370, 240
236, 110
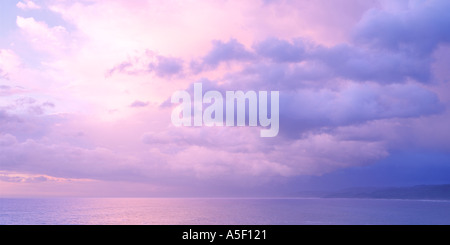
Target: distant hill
424, 192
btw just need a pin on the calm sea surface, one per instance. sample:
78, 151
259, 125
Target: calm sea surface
162, 211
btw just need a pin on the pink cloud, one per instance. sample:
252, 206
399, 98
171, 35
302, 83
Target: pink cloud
9, 63
43, 37
27, 4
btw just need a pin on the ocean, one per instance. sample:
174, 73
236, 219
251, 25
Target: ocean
221, 211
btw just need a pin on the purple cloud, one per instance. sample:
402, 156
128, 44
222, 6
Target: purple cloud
281, 50
312, 110
139, 103
167, 66
48, 104
372, 65
417, 29
149, 62
222, 52
22, 179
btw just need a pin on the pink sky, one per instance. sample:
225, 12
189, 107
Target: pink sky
84, 86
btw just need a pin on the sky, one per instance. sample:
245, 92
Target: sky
85, 90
